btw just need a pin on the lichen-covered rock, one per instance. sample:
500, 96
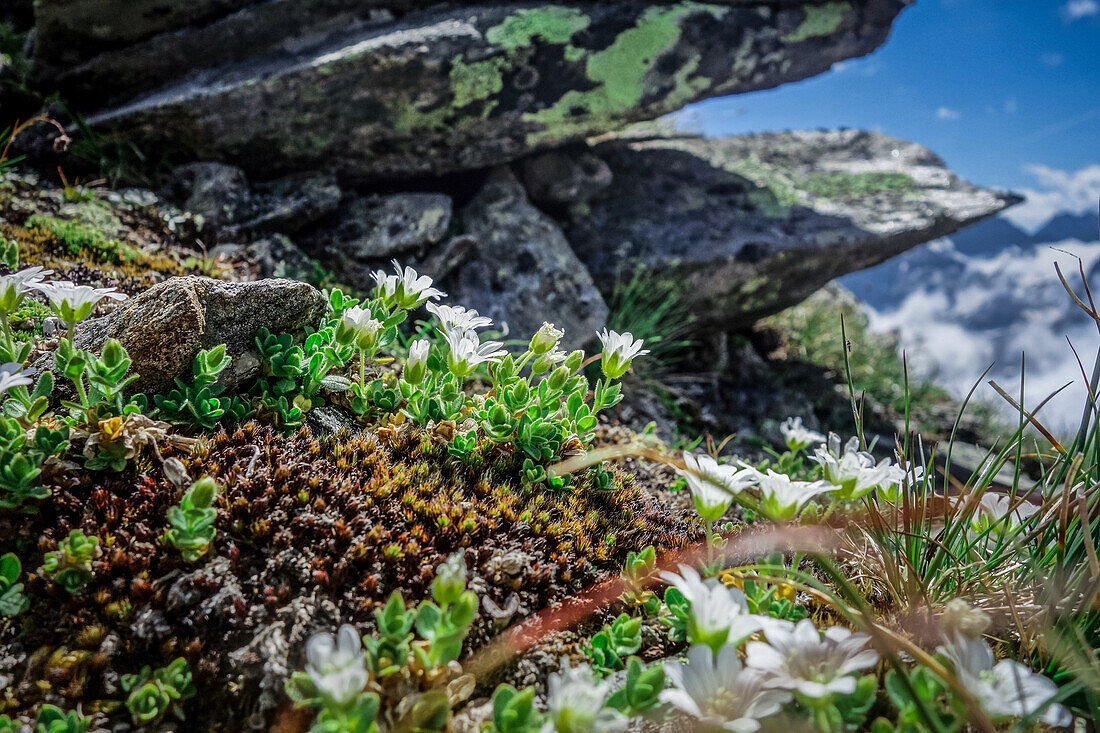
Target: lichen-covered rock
745, 226
524, 272
448, 88
166, 326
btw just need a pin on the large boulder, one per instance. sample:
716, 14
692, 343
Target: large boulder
164, 327
523, 271
745, 226
348, 86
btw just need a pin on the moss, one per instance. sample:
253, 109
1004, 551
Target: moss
305, 525
821, 20
854, 185
621, 73
85, 238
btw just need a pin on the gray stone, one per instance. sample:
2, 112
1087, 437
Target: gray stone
217, 192
377, 228
166, 326
746, 226
372, 230
444, 89
230, 206
292, 204
330, 420
523, 271
563, 177
272, 256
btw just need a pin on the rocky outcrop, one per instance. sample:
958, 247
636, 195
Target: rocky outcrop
166, 326
375, 89
745, 226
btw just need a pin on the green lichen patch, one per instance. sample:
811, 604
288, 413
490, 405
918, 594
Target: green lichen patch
821, 20
477, 81
551, 24
850, 186
623, 74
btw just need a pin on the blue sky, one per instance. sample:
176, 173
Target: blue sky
1006, 91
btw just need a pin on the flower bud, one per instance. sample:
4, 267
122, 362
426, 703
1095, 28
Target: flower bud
558, 377
573, 361
958, 615
450, 579
416, 366
545, 339
545, 362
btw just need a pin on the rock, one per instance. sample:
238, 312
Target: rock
166, 326
523, 271
746, 226
218, 193
330, 420
293, 203
292, 85
378, 228
230, 206
560, 177
272, 256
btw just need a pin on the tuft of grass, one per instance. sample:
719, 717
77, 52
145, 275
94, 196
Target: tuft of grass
655, 311
811, 332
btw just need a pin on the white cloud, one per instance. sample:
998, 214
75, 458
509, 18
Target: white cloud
946, 113
1011, 106
1077, 9
989, 312
1053, 60
1057, 191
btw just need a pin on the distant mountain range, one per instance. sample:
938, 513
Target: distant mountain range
997, 234
986, 294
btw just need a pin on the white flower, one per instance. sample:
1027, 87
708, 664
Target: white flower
416, 366
73, 303
619, 349
406, 289
993, 513
781, 497
718, 615
720, 693
13, 287
713, 485
359, 325
853, 472
800, 658
457, 318
467, 352
9, 379
337, 666
575, 703
1005, 690
797, 436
